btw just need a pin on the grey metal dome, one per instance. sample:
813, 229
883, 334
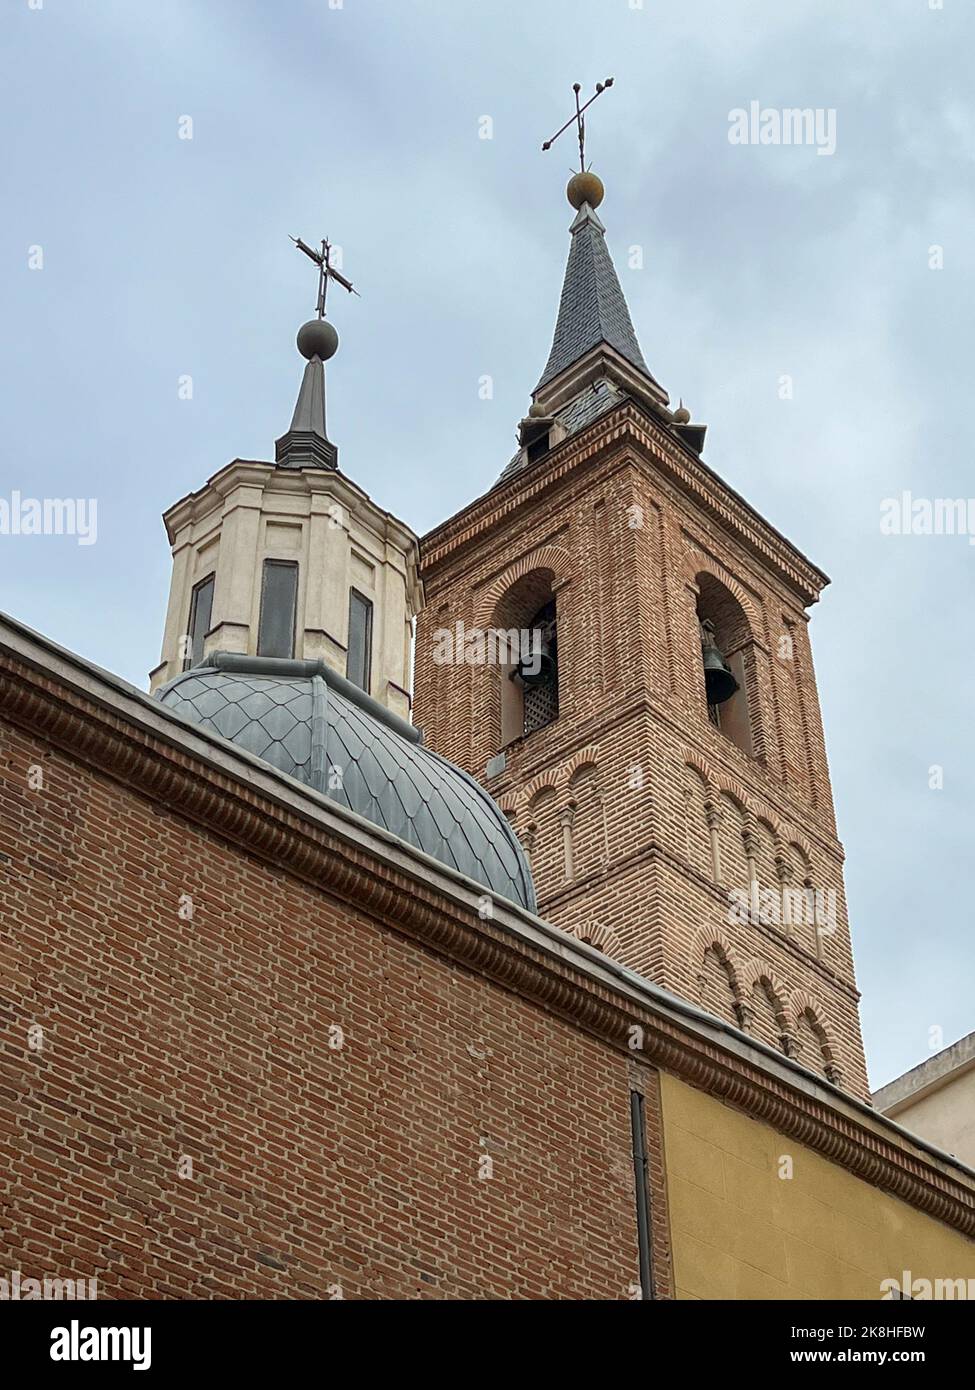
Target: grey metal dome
311, 723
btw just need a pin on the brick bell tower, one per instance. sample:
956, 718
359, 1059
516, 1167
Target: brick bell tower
656, 739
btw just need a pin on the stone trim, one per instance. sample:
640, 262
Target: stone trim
122, 733
927, 1076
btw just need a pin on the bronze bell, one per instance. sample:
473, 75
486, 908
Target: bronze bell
542, 676
719, 682
537, 663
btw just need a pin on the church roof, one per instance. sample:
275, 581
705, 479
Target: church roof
592, 309
307, 721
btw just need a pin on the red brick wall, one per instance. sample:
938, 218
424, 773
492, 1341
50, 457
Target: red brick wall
623, 546
312, 1167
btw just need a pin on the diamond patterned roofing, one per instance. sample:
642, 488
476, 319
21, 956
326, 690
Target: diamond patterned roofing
313, 727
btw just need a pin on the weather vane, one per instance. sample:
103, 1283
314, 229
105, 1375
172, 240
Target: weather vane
326, 271
580, 120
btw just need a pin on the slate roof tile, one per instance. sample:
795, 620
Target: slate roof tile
386, 777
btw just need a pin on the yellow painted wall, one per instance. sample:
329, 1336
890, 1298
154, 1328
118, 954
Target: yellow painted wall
739, 1231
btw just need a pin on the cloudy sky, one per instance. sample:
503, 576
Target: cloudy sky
166, 257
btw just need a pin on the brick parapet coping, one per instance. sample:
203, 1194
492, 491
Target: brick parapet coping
110, 726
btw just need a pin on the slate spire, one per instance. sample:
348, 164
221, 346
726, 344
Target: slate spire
306, 444
592, 309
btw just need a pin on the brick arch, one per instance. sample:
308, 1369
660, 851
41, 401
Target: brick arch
793, 841
699, 765
719, 785
557, 776
695, 798
586, 829
771, 823
736, 791
764, 844
802, 1003
540, 790
732, 824
712, 938
585, 757
716, 961
740, 632
695, 563
707, 788
549, 778
758, 971
603, 938
737, 798
542, 836
549, 557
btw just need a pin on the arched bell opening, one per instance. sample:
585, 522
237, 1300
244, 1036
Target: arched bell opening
726, 640
526, 622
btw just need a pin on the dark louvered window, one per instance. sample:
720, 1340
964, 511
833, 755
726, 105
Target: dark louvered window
279, 592
541, 687
359, 662
201, 610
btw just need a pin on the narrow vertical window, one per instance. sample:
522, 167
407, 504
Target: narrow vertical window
539, 673
637, 1125
201, 609
537, 448
359, 662
279, 592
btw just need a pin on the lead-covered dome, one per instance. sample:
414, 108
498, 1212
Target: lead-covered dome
307, 721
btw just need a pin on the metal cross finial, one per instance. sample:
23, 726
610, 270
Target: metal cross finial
580, 120
326, 271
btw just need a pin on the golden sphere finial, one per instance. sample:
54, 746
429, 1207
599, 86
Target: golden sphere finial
585, 187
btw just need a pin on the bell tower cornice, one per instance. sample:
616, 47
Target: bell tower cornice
630, 425
316, 484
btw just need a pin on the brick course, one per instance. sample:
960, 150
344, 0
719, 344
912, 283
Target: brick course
312, 1167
